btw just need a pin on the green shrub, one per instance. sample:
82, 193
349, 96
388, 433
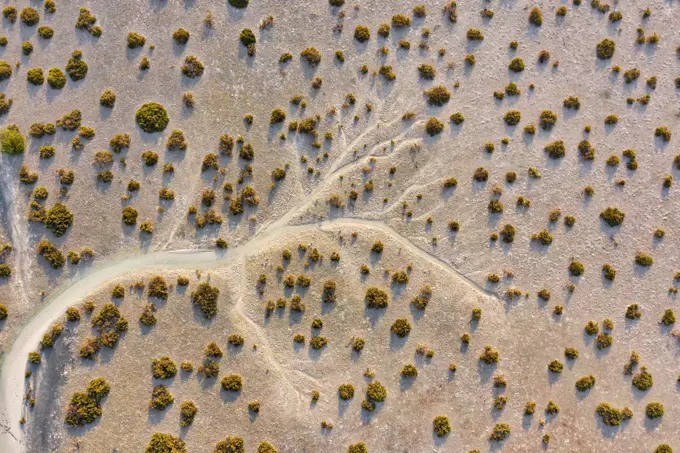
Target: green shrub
654, 409
266, 447
668, 317
643, 380
30, 16
438, 95
605, 49
611, 416
119, 142
176, 140
311, 55
556, 366
135, 40
188, 411
45, 32
490, 355
401, 327
664, 132
161, 398
346, 391
536, 17
181, 36
630, 75
10, 13
643, 259
3, 312
108, 99
5, 70
611, 119
247, 37
441, 425
165, 443
56, 78
409, 370
357, 448
512, 117
152, 117
192, 67
362, 33
205, 297
495, 206
663, 448
376, 392
58, 218
98, 388
278, 116
556, 149
82, 410
12, 141
500, 432
585, 383
457, 118
516, 65
474, 34
547, 120
158, 287
231, 444
35, 76
433, 126
552, 408
240, 4
163, 367
376, 298
572, 102
613, 216
76, 68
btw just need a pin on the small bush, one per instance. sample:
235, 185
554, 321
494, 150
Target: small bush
605, 49
643, 379
163, 368
376, 298
35, 76
152, 117
556, 149
441, 425
500, 432
664, 132
12, 141
192, 67
362, 33
585, 383
181, 36
166, 443
135, 40
433, 126
438, 95
654, 410
346, 391
512, 117
45, 32
311, 55
489, 355
232, 383
401, 327
30, 16
643, 259
536, 17
76, 68
576, 268
516, 65
205, 297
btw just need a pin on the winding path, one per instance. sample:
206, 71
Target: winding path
13, 367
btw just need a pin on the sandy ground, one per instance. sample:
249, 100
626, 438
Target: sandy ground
526, 331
